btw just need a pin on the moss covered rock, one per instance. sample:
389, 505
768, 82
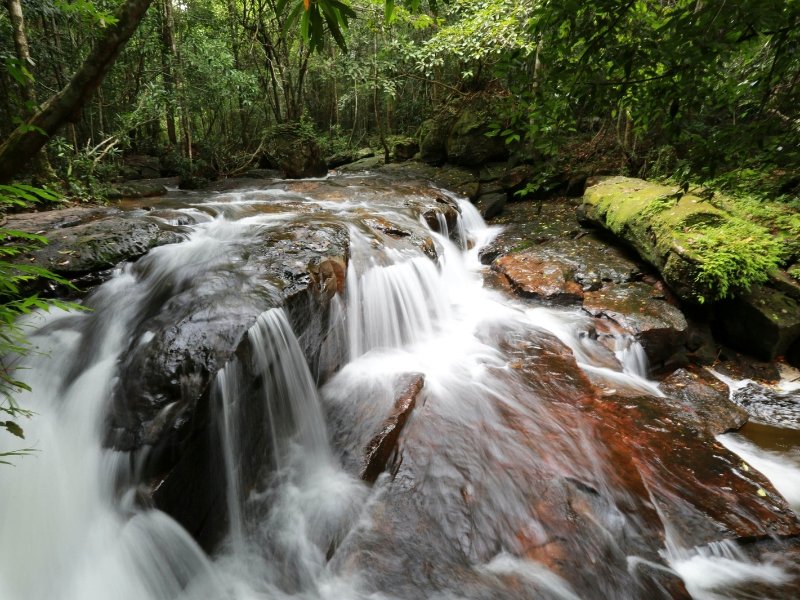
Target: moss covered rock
703, 251
468, 144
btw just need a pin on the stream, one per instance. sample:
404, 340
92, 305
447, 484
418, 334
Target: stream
367, 417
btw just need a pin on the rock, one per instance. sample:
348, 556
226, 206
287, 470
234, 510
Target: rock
297, 152
492, 172
702, 396
671, 230
467, 143
364, 164
784, 282
657, 325
517, 178
456, 179
383, 445
405, 149
349, 156
445, 213
143, 188
194, 324
532, 277
769, 406
490, 205
141, 166
739, 366
432, 135
764, 322
263, 174
99, 244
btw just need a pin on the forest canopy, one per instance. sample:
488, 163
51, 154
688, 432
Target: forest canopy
694, 88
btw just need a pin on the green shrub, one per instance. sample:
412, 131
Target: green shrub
15, 301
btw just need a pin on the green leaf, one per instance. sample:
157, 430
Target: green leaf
13, 429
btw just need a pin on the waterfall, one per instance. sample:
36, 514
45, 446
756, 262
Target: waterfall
497, 485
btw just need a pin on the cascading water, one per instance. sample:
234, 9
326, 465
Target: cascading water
500, 485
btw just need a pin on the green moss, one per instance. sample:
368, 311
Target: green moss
794, 271
687, 237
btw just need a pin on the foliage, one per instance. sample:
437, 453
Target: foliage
16, 301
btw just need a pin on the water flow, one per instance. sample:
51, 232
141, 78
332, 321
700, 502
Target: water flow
282, 529
487, 442
65, 531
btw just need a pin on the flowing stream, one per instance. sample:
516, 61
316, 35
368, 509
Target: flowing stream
502, 485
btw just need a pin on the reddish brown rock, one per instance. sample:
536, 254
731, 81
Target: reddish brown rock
534, 277
657, 325
703, 397
381, 447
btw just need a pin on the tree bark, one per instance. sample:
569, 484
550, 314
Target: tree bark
168, 52
28, 138
41, 166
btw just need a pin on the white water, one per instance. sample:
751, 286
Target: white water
66, 534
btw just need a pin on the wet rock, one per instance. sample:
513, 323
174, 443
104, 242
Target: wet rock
194, 323
739, 366
532, 277
383, 445
517, 178
262, 174
141, 166
456, 179
43, 222
490, 205
769, 406
343, 158
446, 210
364, 164
701, 395
99, 244
143, 188
764, 322
660, 327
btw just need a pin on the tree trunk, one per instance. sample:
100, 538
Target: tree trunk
168, 52
28, 138
41, 166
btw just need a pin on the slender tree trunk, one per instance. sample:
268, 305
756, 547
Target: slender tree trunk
28, 138
167, 65
41, 166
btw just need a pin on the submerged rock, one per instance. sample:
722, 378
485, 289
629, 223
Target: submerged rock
383, 445
768, 405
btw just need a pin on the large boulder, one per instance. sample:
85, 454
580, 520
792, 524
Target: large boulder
763, 322
432, 136
704, 253
85, 244
296, 152
468, 143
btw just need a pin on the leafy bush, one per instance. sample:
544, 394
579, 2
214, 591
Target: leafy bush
15, 301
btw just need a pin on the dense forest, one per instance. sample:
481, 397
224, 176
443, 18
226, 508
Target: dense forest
698, 89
